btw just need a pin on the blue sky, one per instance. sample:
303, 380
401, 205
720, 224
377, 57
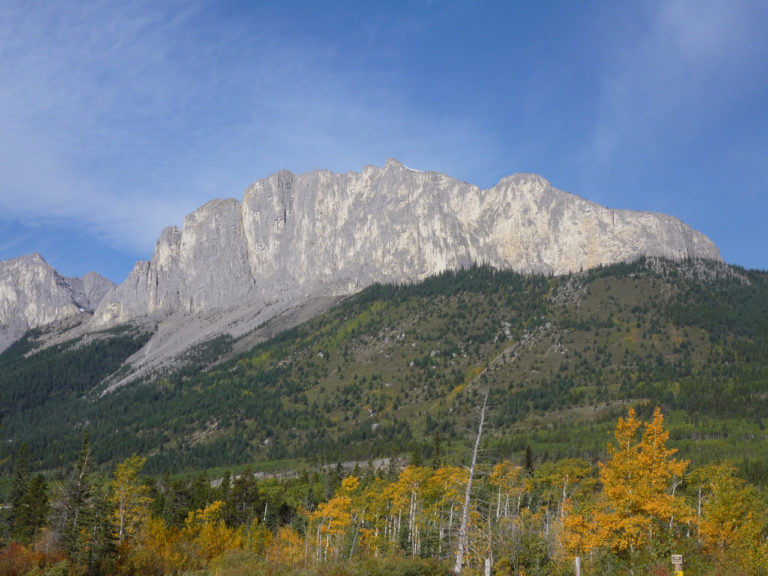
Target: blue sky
119, 118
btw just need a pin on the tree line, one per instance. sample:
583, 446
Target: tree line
625, 514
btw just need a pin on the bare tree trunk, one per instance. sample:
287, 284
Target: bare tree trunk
465, 515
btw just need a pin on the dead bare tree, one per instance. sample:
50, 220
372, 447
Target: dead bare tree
462, 546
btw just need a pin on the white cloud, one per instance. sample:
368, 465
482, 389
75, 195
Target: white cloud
121, 118
673, 69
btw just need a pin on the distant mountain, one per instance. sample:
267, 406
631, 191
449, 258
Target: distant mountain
33, 294
293, 238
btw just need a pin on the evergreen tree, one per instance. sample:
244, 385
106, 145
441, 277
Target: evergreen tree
528, 461
99, 547
225, 486
85, 519
243, 500
35, 505
201, 492
19, 491
76, 500
436, 447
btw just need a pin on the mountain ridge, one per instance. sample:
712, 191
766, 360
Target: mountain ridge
296, 238
295, 241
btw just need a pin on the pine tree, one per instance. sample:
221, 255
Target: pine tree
98, 546
528, 461
76, 499
436, 447
225, 486
19, 491
85, 518
35, 505
201, 492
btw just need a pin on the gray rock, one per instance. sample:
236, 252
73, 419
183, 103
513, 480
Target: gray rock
296, 242
33, 294
322, 233
298, 237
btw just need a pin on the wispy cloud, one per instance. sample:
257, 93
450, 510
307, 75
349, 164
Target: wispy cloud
674, 66
123, 117
82, 89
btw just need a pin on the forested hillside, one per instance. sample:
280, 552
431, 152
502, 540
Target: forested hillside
158, 477
400, 370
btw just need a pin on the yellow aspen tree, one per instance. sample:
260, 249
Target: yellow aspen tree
509, 481
728, 523
557, 482
155, 548
508, 487
259, 538
407, 500
563, 486
480, 540
639, 483
403, 500
333, 519
579, 533
287, 548
373, 501
443, 496
206, 528
395, 505
129, 497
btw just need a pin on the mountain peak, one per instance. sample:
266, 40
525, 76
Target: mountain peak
393, 163
233, 265
297, 237
33, 294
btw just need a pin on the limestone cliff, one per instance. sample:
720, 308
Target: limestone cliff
33, 294
322, 233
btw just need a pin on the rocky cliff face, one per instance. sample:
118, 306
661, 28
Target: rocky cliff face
321, 233
33, 294
297, 242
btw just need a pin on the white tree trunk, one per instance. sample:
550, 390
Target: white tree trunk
467, 496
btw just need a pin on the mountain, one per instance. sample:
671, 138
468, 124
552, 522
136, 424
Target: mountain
301, 240
400, 368
33, 294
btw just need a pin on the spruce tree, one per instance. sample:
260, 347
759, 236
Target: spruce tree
85, 519
75, 514
34, 504
528, 461
19, 490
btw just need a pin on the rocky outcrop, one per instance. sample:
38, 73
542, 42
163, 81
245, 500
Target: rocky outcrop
33, 294
322, 233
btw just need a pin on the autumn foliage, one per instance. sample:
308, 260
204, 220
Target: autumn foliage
638, 503
624, 515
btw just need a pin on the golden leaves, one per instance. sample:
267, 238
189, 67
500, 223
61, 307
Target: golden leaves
639, 482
